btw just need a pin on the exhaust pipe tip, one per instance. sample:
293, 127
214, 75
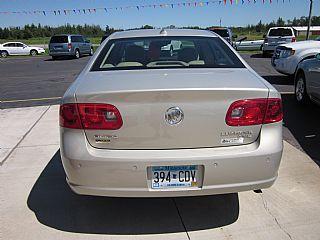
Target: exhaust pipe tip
257, 191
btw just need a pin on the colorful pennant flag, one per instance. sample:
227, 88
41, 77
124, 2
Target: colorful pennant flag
139, 7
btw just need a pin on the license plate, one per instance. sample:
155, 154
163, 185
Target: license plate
174, 177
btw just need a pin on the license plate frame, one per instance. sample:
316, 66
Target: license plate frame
190, 174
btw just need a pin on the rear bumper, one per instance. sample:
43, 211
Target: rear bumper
285, 66
57, 54
123, 173
141, 192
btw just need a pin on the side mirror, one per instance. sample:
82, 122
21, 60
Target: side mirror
264, 36
235, 36
87, 41
318, 56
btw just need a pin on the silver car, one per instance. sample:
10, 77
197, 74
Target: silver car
242, 45
307, 81
140, 122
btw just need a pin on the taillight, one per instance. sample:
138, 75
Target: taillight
69, 116
69, 45
254, 112
90, 116
293, 39
274, 111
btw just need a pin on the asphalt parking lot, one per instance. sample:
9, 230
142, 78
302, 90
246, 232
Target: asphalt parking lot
27, 81
36, 203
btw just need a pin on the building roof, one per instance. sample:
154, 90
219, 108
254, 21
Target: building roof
312, 28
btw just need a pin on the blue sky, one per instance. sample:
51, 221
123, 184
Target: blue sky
235, 15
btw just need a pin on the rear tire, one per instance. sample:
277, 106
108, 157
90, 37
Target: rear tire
300, 90
4, 54
77, 54
33, 53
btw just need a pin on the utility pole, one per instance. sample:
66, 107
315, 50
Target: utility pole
310, 18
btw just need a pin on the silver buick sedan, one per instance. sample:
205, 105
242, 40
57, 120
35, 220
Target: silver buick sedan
142, 120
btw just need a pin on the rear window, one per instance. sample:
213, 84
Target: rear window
221, 32
281, 32
166, 52
59, 39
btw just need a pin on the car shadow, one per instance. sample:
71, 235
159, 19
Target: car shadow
63, 58
279, 79
59, 59
303, 123
56, 206
259, 55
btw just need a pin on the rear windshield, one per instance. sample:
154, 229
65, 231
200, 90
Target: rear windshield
59, 39
221, 32
166, 52
282, 32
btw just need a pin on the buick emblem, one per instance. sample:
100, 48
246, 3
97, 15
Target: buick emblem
174, 115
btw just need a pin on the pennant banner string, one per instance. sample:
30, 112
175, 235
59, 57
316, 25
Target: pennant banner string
138, 7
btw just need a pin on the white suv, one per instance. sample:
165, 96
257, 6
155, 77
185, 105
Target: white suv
277, 36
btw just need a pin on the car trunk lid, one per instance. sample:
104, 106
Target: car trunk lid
279, 40
143, 98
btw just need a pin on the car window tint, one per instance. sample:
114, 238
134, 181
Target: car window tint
166, 52
9, 45
282, 32
59, 39
19, 45
77, 39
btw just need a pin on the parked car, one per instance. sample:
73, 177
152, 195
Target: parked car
224, 32
19, 48
69, 45
200, 122
307, 81
275, 37
242, 44
287, 56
